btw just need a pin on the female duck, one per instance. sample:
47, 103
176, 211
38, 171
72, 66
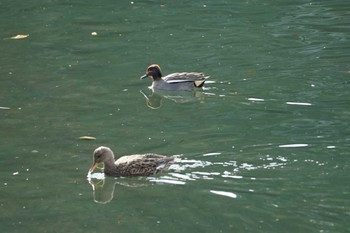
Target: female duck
177, 81
131, 165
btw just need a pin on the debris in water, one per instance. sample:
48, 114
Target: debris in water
19, 36
87, 138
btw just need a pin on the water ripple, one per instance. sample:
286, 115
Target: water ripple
223, 193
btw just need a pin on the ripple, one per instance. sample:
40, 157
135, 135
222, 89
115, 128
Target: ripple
230, 175
185, 164
224, 193
212, 154
256, 99
168, 181
299, 103
181, 176
96, 175
293, 145
207, 173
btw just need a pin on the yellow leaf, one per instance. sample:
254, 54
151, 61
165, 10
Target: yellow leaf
87, 138
18, 37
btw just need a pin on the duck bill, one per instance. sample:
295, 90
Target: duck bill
144, 76
93, 167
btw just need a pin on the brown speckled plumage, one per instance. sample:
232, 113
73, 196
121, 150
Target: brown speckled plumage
130, 165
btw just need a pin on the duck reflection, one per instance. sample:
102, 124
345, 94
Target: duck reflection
155, 99
103, 187
103, 190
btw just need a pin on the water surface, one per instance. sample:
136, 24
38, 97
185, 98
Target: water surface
264, 146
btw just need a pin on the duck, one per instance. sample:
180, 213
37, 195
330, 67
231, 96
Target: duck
185, 81
129, 165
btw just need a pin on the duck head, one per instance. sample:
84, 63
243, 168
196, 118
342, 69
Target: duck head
101, 155
154, 71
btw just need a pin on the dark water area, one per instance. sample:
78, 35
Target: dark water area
264, 146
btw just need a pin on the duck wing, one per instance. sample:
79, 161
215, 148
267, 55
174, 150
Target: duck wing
143, 165
184, 77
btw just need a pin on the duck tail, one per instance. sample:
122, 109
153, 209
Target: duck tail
199, 83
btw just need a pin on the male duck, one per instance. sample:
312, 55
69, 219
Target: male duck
131, 165
177, 81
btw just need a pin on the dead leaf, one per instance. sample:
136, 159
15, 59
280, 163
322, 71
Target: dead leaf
87, 138
19, 36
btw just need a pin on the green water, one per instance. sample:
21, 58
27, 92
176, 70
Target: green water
264, 146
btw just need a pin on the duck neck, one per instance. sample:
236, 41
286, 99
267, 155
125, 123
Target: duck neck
110, 168
156, 78
109, 162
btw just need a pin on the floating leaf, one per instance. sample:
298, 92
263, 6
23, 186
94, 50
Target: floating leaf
18, 37
87, 138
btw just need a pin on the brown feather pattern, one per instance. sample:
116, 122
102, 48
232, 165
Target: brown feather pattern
131, 165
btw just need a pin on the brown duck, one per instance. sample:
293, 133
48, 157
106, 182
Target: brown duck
130, 165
